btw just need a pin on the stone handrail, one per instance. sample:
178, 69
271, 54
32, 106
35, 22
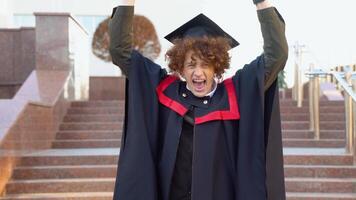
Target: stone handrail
30, 120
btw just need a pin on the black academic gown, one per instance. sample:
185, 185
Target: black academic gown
232, 156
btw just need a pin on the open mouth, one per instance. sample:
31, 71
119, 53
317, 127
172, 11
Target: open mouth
199, 85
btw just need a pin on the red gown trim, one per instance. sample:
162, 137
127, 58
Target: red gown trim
232, 114
168, 102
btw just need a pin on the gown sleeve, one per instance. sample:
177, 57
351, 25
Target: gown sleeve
136, 174
259, 144
275, 47
120, 30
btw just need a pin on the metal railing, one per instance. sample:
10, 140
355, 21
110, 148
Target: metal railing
347, 82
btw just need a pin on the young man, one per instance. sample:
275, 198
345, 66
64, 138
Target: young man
201, 138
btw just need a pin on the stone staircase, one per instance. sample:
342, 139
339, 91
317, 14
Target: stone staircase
317, 169
82, 163
295, 125
319, 175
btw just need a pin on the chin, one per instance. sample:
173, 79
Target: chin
200, 94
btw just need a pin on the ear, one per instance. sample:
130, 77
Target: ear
180, 72
180, 75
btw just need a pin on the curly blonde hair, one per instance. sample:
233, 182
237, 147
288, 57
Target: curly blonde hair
213, 50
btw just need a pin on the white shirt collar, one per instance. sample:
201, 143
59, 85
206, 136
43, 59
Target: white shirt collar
210, 94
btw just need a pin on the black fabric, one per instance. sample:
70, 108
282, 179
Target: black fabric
228, 157
250, 146
274, 165
113, 12
200, 26
137, 167
258, 1
188, 97
182, 175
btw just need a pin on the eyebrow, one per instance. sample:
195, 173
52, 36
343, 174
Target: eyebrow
188, 63
193, 60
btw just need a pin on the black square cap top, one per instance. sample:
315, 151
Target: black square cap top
200, 26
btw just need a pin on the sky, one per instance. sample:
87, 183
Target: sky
325, 28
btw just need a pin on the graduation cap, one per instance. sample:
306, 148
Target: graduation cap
200, 26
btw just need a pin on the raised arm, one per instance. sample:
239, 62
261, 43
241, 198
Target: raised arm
275, 45
121, 34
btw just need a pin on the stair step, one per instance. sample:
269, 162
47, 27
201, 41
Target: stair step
97, 103
305, 117
320, 196
324, 134
53, 157
323, 110
304, 125
70, 160
107, 184
316, 156
87, 143
65, 171
61, 185
96, 110
114, 126
317, 160
334, 185
324, 105
289, 102
61, 196
73, 135
320, 171
83, 163
94, 118
322, 143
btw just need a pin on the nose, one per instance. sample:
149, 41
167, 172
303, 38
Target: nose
198, 71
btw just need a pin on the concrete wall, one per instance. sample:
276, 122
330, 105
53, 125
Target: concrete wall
17, 58
25, 126
107, 88
30, 120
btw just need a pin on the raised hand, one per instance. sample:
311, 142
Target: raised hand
126, 2
262, 4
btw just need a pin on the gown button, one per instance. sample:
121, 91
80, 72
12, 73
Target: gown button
189, 195
205, 102
184, 94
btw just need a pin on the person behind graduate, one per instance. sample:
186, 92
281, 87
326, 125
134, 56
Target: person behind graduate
189, 134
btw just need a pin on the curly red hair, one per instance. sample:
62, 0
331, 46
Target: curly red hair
213, 50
